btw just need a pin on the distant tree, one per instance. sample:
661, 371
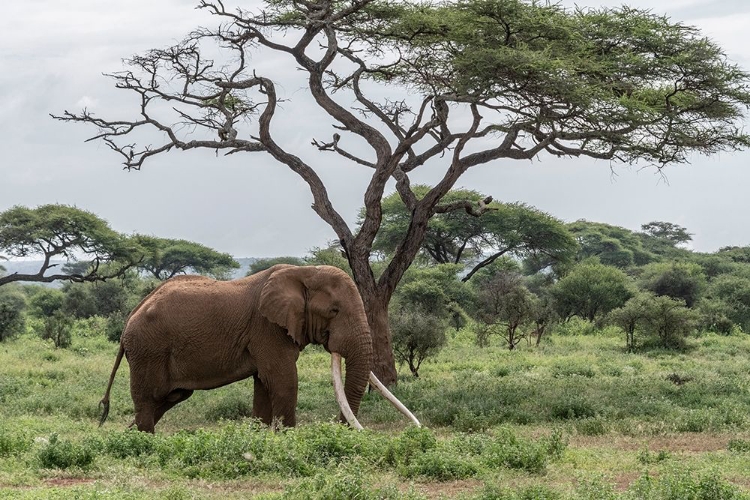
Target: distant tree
671, 321
505, 304
458, 237
733, 293
667, 231
417, 335
46, 302
679, 280
12, 305
631, 316
57, 328
662, 318
442, 85
612, 245
331, 255
434, 289
263, 264
51, 231
166, 258
591, 290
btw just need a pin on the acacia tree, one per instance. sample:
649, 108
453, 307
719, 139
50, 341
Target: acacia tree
469, 82
458, 237
94, 250
165, 258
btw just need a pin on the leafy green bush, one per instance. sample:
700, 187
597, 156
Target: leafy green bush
439, 464
12, 305
738, 445
114, 326
129, 444
64, 454
12, 443
58, 327
417, 336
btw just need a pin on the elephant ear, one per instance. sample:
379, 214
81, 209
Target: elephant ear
282, 301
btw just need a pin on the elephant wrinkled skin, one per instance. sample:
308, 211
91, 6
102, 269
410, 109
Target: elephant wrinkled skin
194, 333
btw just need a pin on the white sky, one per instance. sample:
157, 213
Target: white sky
52, 55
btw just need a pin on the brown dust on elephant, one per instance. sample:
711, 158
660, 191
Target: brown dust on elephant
195, 333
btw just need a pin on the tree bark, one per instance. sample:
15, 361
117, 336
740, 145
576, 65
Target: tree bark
384, 364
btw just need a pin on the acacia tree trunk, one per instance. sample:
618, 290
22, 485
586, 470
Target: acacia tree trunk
384, 364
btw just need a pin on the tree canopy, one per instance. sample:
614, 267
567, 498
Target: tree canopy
69, 233
165, 258
446, 85
475, 241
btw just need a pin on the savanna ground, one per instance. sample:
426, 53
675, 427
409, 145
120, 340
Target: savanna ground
576, 418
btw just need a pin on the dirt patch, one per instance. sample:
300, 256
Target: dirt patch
678, 443
449, 489
67, 481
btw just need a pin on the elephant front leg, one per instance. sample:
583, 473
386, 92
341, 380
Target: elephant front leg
261, 401
281, 391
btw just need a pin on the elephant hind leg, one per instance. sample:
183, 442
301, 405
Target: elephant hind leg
172, 399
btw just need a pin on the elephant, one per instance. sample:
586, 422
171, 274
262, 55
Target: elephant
195, 333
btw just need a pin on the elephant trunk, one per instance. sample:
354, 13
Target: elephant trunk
358, 358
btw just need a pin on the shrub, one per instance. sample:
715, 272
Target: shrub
417, 336
230, 407
63, 454
114, 326
12, 443
12, 304
129, 444
58, 328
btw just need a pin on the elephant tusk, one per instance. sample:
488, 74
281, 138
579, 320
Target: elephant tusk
393, 399
338, 388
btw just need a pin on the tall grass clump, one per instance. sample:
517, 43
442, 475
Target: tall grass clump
63, 454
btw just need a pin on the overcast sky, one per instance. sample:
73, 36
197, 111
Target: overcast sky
53, 54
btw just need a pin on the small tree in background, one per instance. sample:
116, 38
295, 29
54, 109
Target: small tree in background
591, 290
12, 305
417, 335
665, 320
679, 280
165, 258
505, 304
58, 327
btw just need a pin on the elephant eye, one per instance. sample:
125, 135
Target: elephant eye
334, 310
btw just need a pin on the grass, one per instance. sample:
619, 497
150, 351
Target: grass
576, 418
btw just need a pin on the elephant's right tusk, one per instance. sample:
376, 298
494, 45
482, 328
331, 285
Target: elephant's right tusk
338, 388
393, 399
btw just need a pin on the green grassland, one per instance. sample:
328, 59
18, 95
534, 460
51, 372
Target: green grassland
575, 418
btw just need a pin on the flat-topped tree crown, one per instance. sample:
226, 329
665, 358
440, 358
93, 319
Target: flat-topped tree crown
450, 84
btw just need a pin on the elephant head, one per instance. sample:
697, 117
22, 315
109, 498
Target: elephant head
321, 305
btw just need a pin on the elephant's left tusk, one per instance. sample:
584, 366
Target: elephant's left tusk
393, 399
338, 388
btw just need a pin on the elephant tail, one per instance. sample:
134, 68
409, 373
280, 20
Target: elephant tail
104, 403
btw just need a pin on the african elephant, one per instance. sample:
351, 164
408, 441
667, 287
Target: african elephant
194, 333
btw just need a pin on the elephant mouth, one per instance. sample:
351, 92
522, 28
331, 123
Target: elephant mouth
346, 411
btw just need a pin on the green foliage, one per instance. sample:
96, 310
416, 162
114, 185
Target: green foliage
13, 443
332, 255
612, 245
665, 320
730, 294
504, 305
63, 454
231, 407
683, 484
12, 306
416, 336
263, 264
458, 237
46, 302
114, 326
679, 280
591, 290
165, 258
64, 231
57, 328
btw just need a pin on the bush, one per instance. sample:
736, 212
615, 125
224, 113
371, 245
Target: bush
114, 326
12, 305
63, 454
12, 443
58, 328
416, 336
231, 407
129, 444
